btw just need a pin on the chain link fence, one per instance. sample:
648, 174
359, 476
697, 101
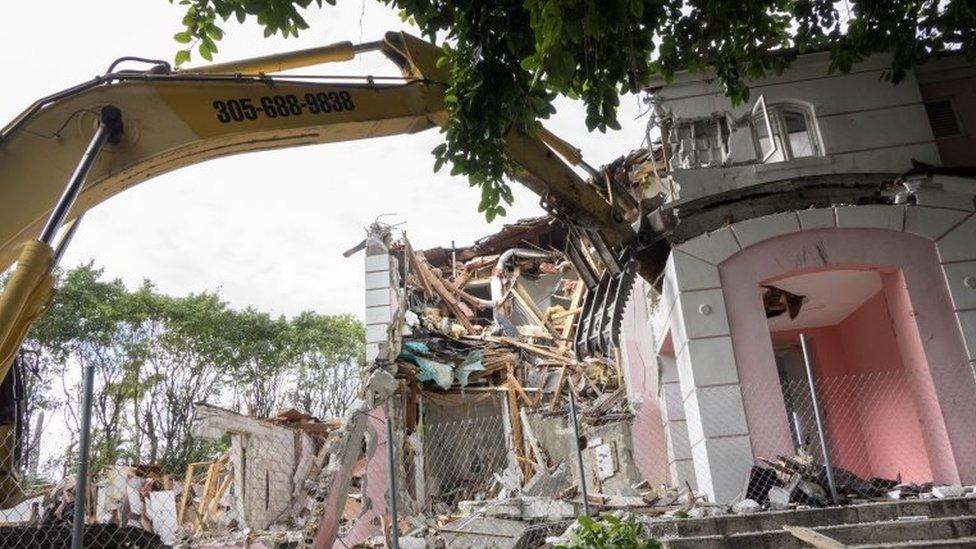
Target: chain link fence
485, 475
846, 438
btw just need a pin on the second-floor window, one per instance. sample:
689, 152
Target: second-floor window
784, 131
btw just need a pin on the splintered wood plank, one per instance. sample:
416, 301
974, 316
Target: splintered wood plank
813, 537
528, 305
574, 309
187, 482
457, 309
556, 400
513, 413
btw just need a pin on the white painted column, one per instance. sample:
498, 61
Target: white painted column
381, 301
681, 468
707, 378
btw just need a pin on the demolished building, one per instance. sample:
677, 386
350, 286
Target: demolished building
807, 338
847, 219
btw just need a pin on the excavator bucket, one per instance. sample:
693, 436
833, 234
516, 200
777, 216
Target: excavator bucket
609, 279
598, 334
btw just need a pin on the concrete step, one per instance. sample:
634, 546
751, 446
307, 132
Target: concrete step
897, 532
774, 520
938, 543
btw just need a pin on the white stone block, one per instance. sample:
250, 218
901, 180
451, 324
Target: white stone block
967, 323
722, 466
779, 497
377, 297
674, 407
961, 278
669, 369
714, 247
669, 288
949, 491
816, 218
682, 472
871, 217
959, 244
752, 231
678, 331
379, 262
679, 447
696, 431
931, 223
691, 273
372, 351
708, 361
376, 333
745, 507
702, 314
943, 199
379, 315
665, 305
660, 326
377, 280
718, 410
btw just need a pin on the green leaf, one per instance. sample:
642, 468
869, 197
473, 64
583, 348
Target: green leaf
183, 37
204, 50
182, 56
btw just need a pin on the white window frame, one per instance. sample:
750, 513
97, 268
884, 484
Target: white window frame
760, 106
773, 115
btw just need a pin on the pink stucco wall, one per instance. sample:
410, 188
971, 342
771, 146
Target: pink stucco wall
921, 321
647, 428
377, 485
867, 394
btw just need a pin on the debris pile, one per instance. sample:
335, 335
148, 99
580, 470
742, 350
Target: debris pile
486, 364
129, 505
799, 481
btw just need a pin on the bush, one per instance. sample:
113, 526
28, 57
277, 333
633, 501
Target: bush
610, 532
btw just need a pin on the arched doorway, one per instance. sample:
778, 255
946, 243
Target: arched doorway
897, 393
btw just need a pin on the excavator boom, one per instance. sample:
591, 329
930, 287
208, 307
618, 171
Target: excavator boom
177, 118
118, 130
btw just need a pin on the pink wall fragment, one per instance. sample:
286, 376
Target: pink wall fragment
647, 428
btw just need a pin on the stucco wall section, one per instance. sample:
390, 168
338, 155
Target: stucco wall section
714, 418
879, 129
807, 251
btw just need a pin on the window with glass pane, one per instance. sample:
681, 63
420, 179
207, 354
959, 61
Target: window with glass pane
784, 132
800, 139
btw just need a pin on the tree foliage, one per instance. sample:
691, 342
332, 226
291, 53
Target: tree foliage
511, 58
156, 355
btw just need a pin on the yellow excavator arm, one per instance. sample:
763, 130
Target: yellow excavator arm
75, 149
173, 119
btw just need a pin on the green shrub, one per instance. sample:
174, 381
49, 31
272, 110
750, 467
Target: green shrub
608, 532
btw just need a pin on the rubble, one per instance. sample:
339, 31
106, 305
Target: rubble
482, 340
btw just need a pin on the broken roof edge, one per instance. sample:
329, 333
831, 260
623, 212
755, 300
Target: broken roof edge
205, 412
705, 214
876, 62
510, 235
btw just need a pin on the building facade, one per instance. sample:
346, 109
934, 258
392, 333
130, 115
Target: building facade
836, 208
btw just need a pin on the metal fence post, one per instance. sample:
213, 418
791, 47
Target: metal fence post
391, 454
579, 451
819, 420
84, 446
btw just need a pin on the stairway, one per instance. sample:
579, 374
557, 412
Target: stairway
944, 523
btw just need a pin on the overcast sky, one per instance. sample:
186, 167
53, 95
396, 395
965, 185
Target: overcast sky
265, 229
